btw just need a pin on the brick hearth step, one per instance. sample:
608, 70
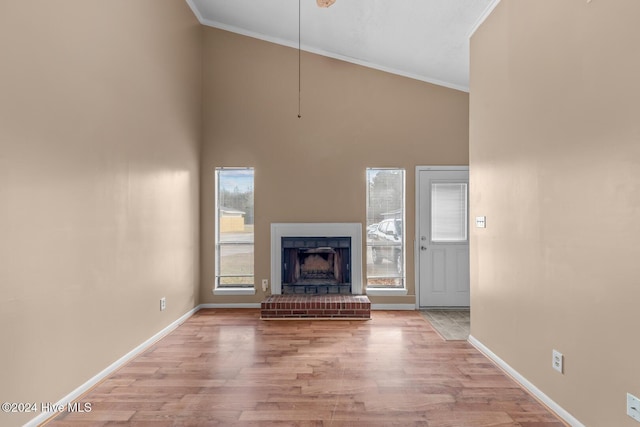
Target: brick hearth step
316, 307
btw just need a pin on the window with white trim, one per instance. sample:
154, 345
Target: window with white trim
234, 228
385, 233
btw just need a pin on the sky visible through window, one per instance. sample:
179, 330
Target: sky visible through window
242, 179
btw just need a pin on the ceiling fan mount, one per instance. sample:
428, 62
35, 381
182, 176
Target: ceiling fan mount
325, 3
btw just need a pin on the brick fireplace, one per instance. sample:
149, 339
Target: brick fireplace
328, 237
316, 272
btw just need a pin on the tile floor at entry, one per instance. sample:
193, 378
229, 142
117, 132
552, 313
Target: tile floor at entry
451, 324
226, 367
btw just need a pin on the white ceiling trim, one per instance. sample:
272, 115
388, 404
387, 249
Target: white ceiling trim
321, 52
306, 48
483, 17
195, 10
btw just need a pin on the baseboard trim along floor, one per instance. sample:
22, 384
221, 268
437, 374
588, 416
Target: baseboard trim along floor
526, 384
69, 398
82, 389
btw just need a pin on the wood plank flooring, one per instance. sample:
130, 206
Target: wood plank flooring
226, 367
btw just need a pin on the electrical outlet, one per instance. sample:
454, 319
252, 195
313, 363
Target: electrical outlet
163, 303
265, 284
557, 361
633, 407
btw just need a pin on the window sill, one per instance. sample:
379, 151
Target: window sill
234, 291
386, 291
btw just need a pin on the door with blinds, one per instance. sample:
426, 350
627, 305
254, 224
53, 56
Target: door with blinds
443, 237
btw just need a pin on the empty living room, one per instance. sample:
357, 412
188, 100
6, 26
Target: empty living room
319, 213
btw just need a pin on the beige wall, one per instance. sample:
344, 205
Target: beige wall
312, 169
99, 142
555, 167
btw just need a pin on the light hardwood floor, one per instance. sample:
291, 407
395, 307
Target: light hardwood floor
229, 368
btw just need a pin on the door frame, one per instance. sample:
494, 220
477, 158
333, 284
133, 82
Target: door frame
416, 224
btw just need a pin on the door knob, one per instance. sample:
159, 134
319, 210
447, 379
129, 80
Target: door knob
423, 248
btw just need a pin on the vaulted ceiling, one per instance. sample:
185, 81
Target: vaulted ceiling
426, 40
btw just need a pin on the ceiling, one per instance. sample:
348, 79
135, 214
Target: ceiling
426, 40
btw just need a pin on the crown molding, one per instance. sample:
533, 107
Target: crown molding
483, 17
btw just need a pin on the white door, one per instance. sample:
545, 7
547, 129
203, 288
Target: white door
443, 237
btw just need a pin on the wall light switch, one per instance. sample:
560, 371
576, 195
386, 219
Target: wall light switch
633, 407
481, 222
265, 284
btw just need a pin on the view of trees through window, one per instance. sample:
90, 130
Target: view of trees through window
234, 227
385, 228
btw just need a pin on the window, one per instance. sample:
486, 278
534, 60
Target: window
234, 228
449, 212
385, 228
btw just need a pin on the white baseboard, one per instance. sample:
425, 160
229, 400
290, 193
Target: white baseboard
411, 307
535, 391
69, 398
257, 305
230, 305
127, 357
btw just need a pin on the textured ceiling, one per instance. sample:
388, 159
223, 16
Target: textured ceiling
422, 39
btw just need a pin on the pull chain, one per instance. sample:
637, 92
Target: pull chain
299, 67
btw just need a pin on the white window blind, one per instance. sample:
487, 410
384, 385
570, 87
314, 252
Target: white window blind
448, 212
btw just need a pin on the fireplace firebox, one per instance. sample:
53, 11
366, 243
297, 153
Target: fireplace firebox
316, 265
329, 231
